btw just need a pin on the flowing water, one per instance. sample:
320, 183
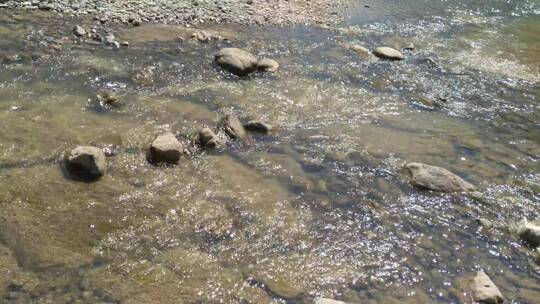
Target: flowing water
319, 207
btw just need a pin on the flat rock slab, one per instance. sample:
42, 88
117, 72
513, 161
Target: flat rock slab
388, 53
165, 149
236, 61
484, 290
436, 178
86, 162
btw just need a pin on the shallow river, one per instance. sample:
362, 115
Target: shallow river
319, 207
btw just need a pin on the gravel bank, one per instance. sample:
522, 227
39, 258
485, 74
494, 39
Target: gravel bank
277, 12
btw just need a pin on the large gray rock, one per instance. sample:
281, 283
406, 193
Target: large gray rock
86, 161
529, 233
327, 301
236, 61
388, 53
233, 127
436, 178
166, 149
484, 290
268, 65
208, 139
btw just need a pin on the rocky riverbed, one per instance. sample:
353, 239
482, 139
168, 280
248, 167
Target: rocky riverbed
389, 160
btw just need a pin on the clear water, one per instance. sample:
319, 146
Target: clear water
318, 208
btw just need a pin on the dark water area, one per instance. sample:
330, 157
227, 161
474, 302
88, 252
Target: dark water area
319, 207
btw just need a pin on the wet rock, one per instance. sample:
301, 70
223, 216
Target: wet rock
268, 65
236, 61
166, 149
125, 44
79, 31
327, 301
484, 290
258, 126
360, 50
388, 53
86, 161
529, 233
208, 139
232, 126
108, 99
436, 178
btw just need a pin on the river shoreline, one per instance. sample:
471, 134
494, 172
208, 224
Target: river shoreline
246, 12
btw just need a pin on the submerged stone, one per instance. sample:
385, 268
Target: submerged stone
236, 61
86, 161
268, 65
233, 127
436, 178
166, 149
484, 290
388, 53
